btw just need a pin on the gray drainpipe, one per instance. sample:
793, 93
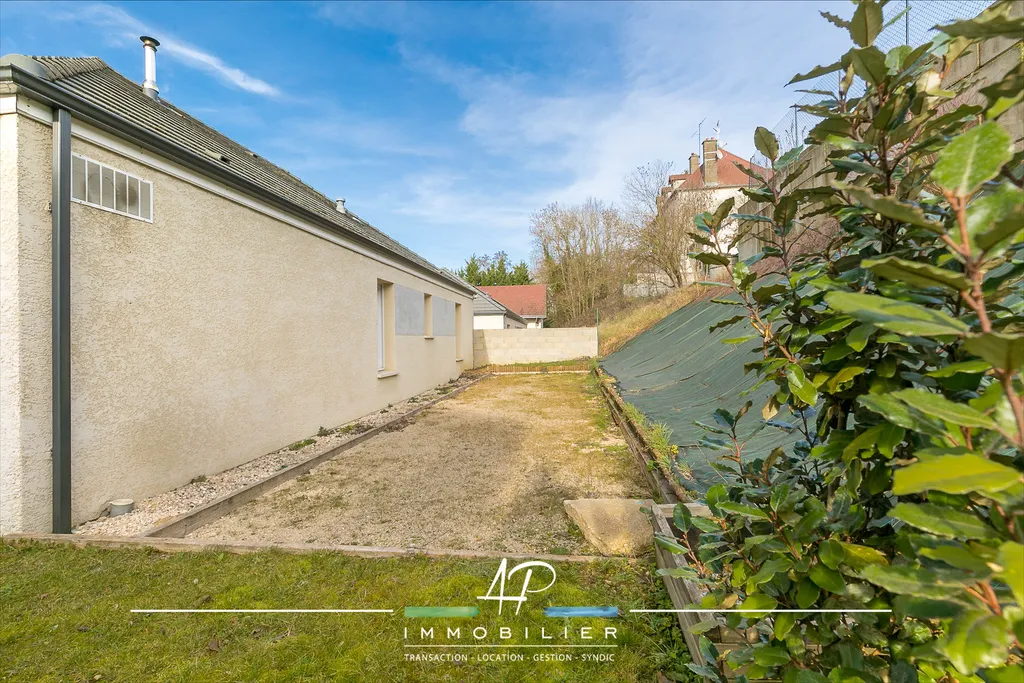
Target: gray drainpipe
61, 312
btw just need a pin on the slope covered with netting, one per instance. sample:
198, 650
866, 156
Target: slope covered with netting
677, 373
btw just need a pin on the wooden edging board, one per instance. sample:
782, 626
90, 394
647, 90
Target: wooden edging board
685, 593
196, 545
638, 445
187, 522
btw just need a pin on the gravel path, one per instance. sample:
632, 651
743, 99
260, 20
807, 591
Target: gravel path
162, 508
488, 469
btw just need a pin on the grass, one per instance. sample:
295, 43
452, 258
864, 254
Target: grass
622, 326
299, 445
66, 616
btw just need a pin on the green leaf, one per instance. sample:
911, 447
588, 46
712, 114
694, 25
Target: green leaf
972, 158
866, 23
942, 408
715, 495
969, 367
815, 72
768, 570
991, 28
841, 23
807, 593
869, 64
942, 520
788, 158
760, 603
832, 324
957, 556
798, 384
900, 414
682, 516
706, 625
684, 573
977, 639
843, 376
891, 207
900, 317
905, 580
770, 656
826, 578
954, 474
705, 524
670, 545
858, 337
916, 273
766, 142
1011, 559
740, 509
722, 211
784, 623
831, 553
710, 259
995, 216
860, 556
1004, 351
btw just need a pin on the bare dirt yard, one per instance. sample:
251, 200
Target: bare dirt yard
488, 469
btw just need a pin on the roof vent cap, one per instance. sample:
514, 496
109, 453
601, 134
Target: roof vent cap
149, 85
340, 205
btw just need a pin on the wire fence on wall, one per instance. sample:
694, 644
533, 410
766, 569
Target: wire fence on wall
915, 27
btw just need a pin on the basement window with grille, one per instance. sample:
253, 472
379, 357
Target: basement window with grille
110, 189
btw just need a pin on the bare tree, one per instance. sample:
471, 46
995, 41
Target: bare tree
665, 242
641, 189
582, 252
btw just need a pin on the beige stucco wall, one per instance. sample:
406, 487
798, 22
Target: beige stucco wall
202, 340
532, 345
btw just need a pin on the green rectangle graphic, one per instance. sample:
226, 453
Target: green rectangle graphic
456, 612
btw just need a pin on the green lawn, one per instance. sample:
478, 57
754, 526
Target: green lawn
65, 616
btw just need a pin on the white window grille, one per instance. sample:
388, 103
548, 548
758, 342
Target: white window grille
110, 189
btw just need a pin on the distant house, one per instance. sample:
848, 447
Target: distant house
528, 301
174, 305
489, 314
718, 176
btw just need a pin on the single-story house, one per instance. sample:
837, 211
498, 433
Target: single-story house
528, 301
489, 314
172, 304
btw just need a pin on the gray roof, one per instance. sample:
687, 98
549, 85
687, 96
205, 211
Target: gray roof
92, 81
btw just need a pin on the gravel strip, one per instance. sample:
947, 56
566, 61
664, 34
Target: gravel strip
165, 506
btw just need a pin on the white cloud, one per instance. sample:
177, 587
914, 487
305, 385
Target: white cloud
677, 64
122, 29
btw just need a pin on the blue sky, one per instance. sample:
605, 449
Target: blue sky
447, 125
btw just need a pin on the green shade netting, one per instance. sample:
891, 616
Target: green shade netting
676, 372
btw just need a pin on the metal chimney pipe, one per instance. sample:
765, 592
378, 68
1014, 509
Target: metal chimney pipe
149, 85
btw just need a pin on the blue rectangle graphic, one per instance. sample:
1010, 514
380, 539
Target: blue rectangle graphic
603, 612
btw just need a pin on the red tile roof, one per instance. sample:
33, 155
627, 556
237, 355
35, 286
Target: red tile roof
728, 174
526, 300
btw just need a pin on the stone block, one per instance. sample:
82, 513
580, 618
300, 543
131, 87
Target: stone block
615, 526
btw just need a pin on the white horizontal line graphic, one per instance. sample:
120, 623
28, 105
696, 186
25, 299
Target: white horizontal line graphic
766, 611
261, 611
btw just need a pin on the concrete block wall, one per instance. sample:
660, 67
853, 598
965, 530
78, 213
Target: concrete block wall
532, 345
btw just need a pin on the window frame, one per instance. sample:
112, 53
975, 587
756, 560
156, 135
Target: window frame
386, 356
114, 173
428, 316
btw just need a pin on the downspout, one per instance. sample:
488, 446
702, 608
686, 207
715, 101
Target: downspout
61, 314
